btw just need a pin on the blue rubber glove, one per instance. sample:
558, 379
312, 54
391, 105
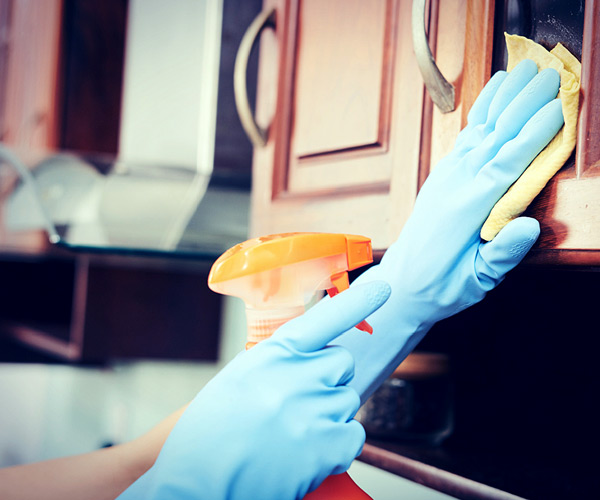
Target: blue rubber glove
276, 420
439, 265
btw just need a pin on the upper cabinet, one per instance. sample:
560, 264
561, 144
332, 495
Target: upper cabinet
61, 71
353, 131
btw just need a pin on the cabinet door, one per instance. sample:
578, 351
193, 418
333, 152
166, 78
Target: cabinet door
61, 64
343, 148
351, 126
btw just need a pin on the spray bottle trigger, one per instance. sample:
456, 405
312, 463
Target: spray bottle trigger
340, 283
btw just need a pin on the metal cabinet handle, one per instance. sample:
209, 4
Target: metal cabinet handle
256, 134
440, 90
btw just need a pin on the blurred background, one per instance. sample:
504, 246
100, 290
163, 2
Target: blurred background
94, 90
122, 114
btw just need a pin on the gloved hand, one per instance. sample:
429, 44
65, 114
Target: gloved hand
439, 265
276, 420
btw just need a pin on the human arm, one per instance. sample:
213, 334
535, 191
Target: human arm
439, 265
98, 475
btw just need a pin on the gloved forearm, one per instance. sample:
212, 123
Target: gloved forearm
439, 265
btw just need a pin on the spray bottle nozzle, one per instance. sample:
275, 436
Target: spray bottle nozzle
341, 283
283, 271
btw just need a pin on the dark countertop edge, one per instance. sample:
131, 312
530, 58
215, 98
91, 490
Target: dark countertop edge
431, 477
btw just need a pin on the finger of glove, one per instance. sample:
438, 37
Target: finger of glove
484, 120
332, 317
333, 364
512, 85
341, 444
350, 440
514, 157
478, 114
505, 251
542, 89
341, 404
539, 91
479, 111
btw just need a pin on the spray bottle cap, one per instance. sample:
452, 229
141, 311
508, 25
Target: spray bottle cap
278, 250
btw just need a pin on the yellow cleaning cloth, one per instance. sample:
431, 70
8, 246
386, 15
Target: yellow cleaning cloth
553, 157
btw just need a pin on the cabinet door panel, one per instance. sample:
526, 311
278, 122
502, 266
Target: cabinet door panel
338, 76
342, 93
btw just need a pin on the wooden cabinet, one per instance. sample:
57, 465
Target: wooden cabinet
62, 70
525, 379
353, 133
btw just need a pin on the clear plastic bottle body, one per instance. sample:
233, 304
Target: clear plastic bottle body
275, 296
262, 323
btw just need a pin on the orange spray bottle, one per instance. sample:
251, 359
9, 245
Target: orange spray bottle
276, 276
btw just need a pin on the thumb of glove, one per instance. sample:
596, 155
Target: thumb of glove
505, 251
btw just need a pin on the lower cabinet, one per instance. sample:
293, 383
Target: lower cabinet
87, 308
523, 367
